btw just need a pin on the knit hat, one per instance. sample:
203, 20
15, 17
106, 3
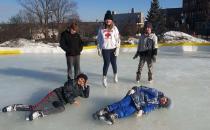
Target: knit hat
108, 15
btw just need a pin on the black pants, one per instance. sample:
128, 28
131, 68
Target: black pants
109, 56
73, 62
50, 104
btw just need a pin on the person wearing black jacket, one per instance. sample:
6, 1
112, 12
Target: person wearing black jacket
55, 100
71, 43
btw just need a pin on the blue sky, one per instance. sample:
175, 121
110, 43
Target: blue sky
90, 10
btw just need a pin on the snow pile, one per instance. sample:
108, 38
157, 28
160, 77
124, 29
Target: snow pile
176, 36
30, 46
23, 43
132, 40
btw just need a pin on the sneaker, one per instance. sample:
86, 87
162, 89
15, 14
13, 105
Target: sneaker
9, 108
115, 78
104, 81
34, 115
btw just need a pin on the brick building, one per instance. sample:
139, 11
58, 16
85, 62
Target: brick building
129, 24
197, 15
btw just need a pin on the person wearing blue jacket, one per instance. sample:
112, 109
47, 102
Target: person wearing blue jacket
139, 100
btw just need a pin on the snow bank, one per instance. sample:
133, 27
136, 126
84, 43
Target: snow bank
19, 43
30, 46
176, 36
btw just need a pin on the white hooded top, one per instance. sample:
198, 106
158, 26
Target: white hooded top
108, 39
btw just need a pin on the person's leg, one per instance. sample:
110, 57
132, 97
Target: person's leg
113, 59
76, 66
114, 65
125, 111
17, 107
106, 57
50, 104
126, 101
69, 60
150, 67
121, 112
140, 67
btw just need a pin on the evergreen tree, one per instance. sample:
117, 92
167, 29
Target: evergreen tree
155, 17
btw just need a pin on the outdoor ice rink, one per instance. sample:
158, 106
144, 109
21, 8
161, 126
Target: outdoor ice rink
185, 77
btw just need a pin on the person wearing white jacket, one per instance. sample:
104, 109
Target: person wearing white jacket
108, 46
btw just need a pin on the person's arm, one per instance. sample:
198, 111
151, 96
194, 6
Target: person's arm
81, 43
85, 92
138, 49
155, 48
99, 39
68, 92
153, 93
63, 42
99, 42
118, 41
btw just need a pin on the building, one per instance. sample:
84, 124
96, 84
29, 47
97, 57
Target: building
197, 15
129, 24
173, 18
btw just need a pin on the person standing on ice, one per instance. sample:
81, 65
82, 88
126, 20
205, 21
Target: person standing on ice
71, 43
140, 100
108, 39
55, 100
147, 51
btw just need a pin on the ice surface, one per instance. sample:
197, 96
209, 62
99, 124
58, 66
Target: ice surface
183, 77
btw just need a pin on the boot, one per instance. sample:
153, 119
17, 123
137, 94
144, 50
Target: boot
104, 81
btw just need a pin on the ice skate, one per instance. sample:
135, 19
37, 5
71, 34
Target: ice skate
115, 78
9, 108
34, 115
104, 81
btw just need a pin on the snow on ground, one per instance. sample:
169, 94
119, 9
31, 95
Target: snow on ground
176, 36
184, 77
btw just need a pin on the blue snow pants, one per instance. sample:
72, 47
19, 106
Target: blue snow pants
123, 108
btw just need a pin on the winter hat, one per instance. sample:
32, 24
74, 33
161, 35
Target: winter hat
148, 25
82, 76
108, 15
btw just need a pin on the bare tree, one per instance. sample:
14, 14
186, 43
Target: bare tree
43, 10
63, 9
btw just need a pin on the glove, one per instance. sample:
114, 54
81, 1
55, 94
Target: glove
155, 51
136, 55
139, 113
116, 53
99, 52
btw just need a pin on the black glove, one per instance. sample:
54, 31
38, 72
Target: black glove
154, 51
136, 55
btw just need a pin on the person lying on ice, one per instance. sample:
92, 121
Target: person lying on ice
55, 100
139, 100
